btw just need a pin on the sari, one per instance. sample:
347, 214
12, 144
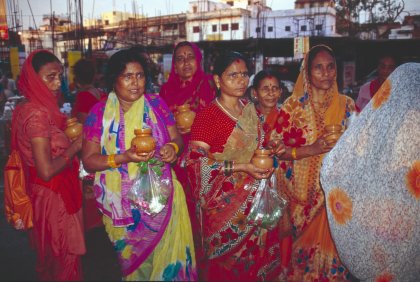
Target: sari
156, 247
57, 233
371, 184
198, 92
234, 249
314, 256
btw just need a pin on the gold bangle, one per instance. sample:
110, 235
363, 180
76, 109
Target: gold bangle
294, 153
111, 161
175, 146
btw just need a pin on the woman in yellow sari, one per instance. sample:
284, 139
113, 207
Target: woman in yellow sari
314, 104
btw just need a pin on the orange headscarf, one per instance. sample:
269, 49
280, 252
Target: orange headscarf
336, 110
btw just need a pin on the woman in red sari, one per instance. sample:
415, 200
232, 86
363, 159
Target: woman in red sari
187, 83
266, 91
53, 168
223, 139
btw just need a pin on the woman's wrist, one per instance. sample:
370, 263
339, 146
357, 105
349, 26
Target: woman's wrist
175, 146
111, 162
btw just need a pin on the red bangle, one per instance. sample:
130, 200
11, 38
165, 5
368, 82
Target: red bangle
66, 158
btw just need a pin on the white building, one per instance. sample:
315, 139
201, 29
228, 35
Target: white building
236, 20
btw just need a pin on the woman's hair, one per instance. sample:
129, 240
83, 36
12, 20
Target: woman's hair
264, 74
182, 44
118, 62
225, 60
84, 71
42, 58
314, 51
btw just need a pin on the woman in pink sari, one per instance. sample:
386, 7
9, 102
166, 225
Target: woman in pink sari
188, 83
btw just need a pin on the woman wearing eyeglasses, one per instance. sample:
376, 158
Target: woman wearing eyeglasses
223, 139
150, 248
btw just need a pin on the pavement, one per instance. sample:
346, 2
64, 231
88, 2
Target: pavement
17, 258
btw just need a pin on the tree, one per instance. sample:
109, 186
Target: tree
350, 12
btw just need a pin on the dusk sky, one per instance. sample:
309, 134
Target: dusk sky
96, 7
93, 8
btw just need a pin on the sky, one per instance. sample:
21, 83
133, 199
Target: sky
96, 7
93, 8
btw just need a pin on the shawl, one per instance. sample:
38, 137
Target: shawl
33, 88
198, 92
371, 183
112, 185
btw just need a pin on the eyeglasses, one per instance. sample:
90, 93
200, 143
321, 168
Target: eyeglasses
129, 76
267, 89
181, 59
236, 75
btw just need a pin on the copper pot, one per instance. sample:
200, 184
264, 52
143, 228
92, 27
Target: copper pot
184, 117
262, 159
144, 141
73, 128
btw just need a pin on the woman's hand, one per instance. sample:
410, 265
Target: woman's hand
321, 146
278, 148
256, 172
168, 153
131, 156
76, 144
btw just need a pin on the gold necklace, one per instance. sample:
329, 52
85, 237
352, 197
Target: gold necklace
226, 111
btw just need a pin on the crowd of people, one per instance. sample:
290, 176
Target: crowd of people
203, 231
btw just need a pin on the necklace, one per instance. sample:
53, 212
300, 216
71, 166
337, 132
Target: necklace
226, 111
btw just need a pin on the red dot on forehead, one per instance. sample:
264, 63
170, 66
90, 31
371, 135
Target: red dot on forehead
238, 61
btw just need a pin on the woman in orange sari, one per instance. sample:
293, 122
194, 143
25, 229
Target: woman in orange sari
314, 104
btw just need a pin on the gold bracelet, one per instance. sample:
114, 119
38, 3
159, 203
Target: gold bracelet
294, 153
175, 146
111, 161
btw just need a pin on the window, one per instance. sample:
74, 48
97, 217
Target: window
229, 3
214, 28
167, 27
234, 26
270, 29
287, 28
196, 29
225, 27
318, 27
303, 28
258, 29
106, 22
194, 9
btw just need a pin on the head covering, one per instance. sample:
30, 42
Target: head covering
34, 89
176, 93
334, 113
371, 184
